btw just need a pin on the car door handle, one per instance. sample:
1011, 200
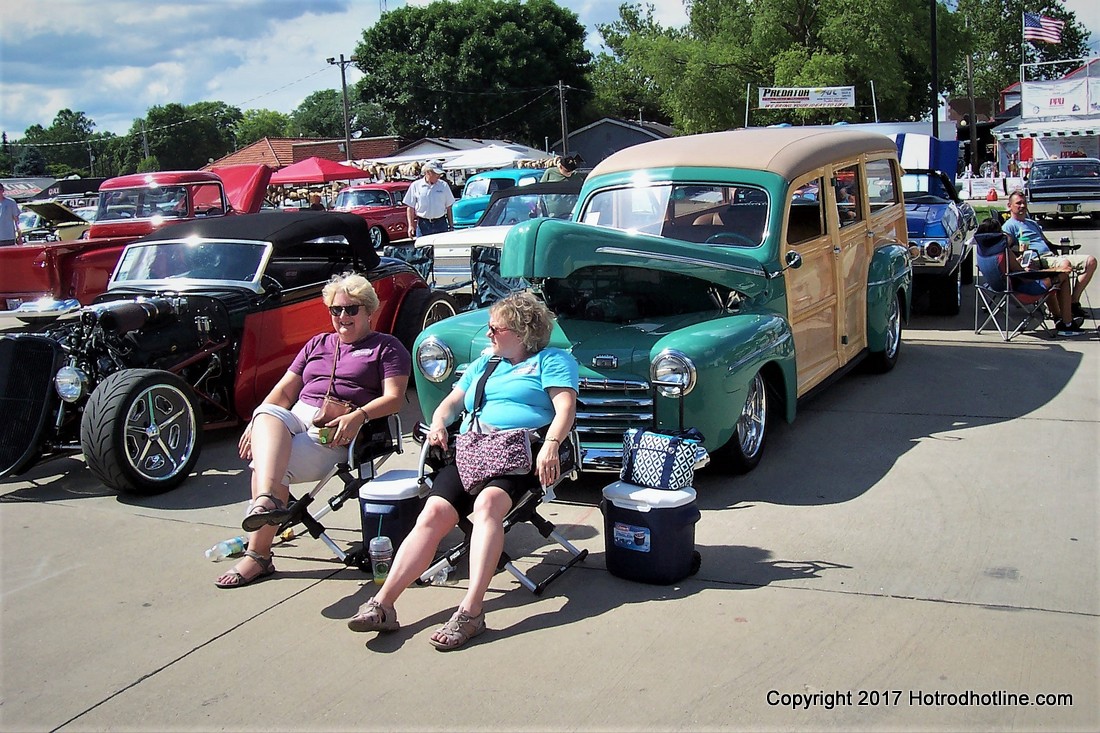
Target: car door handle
836, 250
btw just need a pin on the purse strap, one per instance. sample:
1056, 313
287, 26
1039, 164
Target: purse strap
335, 360
479, 389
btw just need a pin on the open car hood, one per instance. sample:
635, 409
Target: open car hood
245, 185
53, 213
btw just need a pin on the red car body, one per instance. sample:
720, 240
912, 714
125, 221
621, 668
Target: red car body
380, 204
130, 207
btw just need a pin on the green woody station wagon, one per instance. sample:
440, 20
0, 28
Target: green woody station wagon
710, 281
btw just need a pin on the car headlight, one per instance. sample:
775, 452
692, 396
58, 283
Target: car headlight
673, 373
70, 383
434, 359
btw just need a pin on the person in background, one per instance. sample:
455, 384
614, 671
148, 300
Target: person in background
315, 202
531, 387
10, 233
565, 168
429, 201
1030, 236
363, 367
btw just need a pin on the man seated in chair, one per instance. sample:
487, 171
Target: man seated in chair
530, 386
1030, 236
997, 257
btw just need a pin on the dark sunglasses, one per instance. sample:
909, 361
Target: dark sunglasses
494, 330
337, 310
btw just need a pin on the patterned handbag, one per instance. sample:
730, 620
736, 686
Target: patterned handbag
658, 461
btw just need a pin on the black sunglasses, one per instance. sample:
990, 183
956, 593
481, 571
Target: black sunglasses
337, 310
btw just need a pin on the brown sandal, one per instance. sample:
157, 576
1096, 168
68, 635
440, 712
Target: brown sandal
459, 630
259, 517
373, 616
267, 569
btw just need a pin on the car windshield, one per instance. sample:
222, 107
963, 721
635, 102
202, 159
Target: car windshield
919, 186
514, 209
224, 261
704, 213
142, 203
28, 220
1066, 169
350, 199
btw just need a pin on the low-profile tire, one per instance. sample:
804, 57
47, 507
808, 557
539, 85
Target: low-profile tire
422, 308
378, 238
948, 293
883, 361
142, 431
745, 448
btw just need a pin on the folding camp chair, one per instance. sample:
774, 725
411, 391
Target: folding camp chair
997, 297
420, 258
488, 286
377, 440
524, 509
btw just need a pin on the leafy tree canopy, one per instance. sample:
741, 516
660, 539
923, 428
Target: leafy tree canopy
482, 68
256, 124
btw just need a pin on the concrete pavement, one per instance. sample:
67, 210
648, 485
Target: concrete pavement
915, 552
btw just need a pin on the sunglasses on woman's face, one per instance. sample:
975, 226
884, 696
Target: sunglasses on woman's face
337, 310
494, 330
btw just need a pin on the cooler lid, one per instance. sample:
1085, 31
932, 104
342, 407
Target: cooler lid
392, 485
642, 499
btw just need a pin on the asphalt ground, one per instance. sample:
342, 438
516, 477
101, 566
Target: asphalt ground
917, 551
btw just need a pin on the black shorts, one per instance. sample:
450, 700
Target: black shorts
448, 486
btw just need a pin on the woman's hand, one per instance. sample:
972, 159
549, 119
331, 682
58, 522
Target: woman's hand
437, 435
547, 463
245, 444
346, 427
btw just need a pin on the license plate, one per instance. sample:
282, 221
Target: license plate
14, 303
1068, 208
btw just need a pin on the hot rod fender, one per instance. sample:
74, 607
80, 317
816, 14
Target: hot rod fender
890, 272
728, 352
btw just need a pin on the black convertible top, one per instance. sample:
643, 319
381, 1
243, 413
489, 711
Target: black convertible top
554, 188
287, 231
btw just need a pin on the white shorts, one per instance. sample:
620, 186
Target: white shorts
309, 460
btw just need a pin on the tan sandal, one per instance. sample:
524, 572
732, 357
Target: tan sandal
237, 580
459, 630
259, 517
373, 616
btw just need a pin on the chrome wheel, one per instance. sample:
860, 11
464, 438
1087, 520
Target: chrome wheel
160, 433
753, 423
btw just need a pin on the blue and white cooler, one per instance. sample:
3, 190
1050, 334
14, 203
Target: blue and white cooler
649, 534
390, 504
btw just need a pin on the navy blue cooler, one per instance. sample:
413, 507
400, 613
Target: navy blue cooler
649, 534
390, 504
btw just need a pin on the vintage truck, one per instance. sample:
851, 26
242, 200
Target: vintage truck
129, 207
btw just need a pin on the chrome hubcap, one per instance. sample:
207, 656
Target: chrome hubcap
751, 425
893, 328
160, 432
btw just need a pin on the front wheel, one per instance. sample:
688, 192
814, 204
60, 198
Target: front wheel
422, 308
743, 451
378, 237
885, 360
142, 431
948, 293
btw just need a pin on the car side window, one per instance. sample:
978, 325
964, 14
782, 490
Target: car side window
846, 186
805, 219
881, 191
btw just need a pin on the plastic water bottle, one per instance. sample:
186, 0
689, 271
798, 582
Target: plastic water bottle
441, 576
381, 555
225, 548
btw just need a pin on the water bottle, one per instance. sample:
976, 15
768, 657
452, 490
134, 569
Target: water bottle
225, 548
441, 576
381, 555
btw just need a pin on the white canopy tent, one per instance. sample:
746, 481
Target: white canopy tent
493, 156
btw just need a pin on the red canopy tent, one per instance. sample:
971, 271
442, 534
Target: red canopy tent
317, 170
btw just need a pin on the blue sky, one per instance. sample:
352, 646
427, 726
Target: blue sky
113, 59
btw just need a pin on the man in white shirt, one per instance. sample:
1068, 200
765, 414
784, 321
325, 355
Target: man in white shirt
9, 221
429, 201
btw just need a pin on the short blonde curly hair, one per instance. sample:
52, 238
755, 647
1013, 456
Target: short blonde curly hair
528, 317
355, 286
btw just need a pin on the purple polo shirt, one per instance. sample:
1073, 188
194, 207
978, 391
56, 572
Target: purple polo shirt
359, 371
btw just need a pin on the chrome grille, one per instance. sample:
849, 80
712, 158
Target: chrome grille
606, 408
27, 367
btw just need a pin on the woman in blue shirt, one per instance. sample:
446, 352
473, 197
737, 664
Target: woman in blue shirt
531, 387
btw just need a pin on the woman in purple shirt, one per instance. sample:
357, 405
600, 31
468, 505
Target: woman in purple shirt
354, 364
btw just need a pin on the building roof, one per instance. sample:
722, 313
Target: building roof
279, 152
655, 130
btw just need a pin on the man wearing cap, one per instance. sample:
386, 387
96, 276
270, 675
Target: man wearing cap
9, 221
564, 169
429, 201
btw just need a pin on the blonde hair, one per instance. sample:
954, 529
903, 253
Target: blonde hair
355, 286
528, 317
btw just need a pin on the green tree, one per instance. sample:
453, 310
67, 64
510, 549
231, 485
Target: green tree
64, 143
30, 162
485, 68
621, 89
321, 114
256, 124
996, 44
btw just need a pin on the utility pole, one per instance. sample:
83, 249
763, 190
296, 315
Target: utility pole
91, 161
564, 121
144, 139
935, 75
973, 111
343, 64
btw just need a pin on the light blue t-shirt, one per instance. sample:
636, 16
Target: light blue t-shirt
1028, 233
515, 394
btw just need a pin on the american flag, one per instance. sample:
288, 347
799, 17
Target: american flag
1042, 28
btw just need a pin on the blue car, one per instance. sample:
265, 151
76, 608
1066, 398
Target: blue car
941, 238
480, 186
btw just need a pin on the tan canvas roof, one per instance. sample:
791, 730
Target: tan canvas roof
787, 151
